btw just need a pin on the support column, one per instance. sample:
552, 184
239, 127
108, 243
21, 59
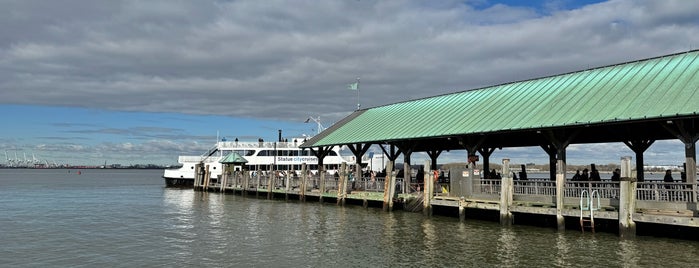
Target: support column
690, 153
506, 192
428, 191
638, 147
551, 152
627, 200
434, 154
485, 153
687, 131
407, 173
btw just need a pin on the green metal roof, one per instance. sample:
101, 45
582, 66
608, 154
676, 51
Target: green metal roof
652, 88
233, 158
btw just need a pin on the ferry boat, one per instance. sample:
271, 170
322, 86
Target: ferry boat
261, 156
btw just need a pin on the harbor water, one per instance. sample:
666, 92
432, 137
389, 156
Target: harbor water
127, 218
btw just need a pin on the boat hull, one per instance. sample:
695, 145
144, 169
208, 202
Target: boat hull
179, 182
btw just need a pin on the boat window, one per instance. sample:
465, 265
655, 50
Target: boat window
332, 153
249, 152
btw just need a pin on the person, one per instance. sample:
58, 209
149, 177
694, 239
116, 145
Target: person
594, 173
577, 176
585, 176
616, 175
668, 176
420, 176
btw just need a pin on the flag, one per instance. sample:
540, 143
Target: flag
353, 86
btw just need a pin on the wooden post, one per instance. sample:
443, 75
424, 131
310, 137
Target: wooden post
321, 173
627, 200
389, 184
270, 184
198, 176
342, 184
258, 182
506, 191
207, 178
224, 178
304, 180
246, 181
428, 189
560, 190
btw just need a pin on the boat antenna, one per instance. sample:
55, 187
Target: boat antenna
319, 126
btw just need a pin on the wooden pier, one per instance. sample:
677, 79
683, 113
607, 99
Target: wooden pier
626, 202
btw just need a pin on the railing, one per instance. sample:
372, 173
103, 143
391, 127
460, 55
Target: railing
645, 191
488, 187
605, 189
534, 187
665, 191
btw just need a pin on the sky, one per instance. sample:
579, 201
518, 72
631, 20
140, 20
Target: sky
86, 82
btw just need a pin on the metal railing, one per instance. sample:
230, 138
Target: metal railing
665, 191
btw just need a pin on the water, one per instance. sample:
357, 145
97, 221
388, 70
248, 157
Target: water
126, 218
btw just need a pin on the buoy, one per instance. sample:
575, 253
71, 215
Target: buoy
79, 172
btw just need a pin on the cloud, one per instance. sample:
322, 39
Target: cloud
280, 60
257, 58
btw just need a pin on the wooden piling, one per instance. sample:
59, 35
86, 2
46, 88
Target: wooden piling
560, 190
506, 193
270, 184
247, 176
207, 178
389, 185
627, 200
304, 180
321, 172
342, 184
428, 189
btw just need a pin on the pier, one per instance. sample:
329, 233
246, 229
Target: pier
626, 202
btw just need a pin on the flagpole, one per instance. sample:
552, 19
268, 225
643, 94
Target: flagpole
358, 94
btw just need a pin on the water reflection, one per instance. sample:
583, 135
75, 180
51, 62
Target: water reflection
507, 247
627, 253
562, 250
430, 238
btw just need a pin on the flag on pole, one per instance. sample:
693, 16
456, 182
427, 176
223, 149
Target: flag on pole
353, 86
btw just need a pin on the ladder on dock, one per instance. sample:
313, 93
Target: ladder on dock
587, 203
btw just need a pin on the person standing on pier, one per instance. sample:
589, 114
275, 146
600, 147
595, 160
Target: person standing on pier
585, 176
577, 176
616, 175
594, 173
668, 176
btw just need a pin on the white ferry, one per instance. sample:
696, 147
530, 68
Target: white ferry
261, 156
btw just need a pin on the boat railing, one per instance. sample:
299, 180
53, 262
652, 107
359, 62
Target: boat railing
259, 144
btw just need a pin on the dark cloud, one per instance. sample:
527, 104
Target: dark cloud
284, 60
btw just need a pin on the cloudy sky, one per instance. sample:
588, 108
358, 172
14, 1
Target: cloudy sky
84, 81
